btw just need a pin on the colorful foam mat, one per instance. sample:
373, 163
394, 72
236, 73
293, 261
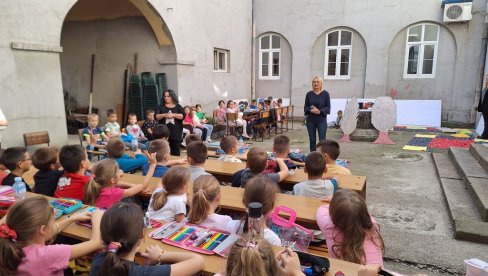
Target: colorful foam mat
428, 142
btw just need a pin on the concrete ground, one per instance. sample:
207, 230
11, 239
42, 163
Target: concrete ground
404, 195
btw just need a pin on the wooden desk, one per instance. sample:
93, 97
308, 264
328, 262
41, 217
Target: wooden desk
231, 200
213, 154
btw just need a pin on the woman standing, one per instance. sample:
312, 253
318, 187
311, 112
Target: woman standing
317, 106
171, 114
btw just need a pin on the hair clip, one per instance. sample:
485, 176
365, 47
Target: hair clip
251, 245
113, 247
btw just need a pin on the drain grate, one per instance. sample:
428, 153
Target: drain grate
402, 156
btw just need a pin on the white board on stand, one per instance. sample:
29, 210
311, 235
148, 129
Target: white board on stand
409, 112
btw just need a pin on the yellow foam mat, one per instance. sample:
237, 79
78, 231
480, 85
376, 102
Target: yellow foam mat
407, 147
460, 135
426, 135
481, 140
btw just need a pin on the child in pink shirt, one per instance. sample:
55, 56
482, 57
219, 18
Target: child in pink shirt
27, 228
104, 190
348, 226
206, 199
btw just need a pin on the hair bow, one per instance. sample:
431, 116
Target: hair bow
113, 247
7, 232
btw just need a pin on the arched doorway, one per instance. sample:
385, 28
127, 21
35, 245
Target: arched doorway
118, 33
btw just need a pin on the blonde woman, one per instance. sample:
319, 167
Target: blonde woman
317, 106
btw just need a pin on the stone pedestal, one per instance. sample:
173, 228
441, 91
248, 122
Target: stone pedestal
365, 130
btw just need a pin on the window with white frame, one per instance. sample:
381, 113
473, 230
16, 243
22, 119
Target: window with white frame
421, 51
269, 57
338, 53
221, 60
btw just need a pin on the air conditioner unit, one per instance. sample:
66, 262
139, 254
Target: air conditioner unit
458, 12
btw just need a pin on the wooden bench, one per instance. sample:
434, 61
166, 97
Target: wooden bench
243, 156
213, 263
36, 138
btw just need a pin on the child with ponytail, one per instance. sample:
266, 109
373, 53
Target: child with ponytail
205, 200
254, 256
122, 229
102, 190
351, 233
28, 227
168, 201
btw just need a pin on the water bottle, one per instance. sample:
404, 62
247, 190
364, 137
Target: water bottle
134, 143
255, 216
19, 189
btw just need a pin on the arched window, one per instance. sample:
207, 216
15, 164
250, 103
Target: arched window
269, 57
421, 51
338, 52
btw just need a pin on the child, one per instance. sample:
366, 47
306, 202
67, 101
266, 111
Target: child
149, 124
254, 104
168, 202
331, 150
253, 255
161, 132
337, 122
133, 129
74, 160
222, 113
47, 162
112, 127
348, 216
315, 186
246, 129
281, 149
102, 190
18, 161
28, 227
116, 150
202, 119
3, 174
161, 149
257, 159
205, 200
191, 138
122, 230
93, 132
261, 189
229, 145
261, 106
190, 124
197, 154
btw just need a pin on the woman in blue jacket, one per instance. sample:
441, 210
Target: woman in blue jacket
317, 106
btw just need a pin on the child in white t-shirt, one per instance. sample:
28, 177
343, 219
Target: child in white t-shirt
206, 199
230, 146
168, 202
316, 186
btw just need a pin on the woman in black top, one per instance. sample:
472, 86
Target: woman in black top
171, 113
317, 106
483, 108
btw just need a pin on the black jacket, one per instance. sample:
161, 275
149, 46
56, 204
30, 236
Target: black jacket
483, 105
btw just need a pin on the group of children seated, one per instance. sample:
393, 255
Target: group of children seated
350, 231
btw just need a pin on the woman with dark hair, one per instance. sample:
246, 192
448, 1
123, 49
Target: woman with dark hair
317, 106
171, 114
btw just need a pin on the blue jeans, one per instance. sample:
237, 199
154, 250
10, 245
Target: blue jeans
312, 128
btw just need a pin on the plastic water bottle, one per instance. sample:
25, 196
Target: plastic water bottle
134, 143
19, 189
255, 216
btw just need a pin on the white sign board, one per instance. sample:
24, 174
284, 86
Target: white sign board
409, 112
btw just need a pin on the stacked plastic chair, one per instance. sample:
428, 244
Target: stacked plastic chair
135, 96
162, 84
151, 92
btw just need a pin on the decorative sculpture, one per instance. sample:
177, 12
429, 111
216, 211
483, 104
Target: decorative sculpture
350, 119
384, 118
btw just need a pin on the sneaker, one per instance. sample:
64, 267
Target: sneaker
209, 140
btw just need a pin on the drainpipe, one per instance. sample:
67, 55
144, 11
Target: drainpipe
253, 54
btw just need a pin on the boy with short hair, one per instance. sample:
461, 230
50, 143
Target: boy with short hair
112, 127
93, 132
192, 138
257, 160
315, 186
149, 124
18, 161
71, 184
116, 151
161, 132
331, 151
161, 148
135, 131
254, 104
197, 155
47, 162
281, 149
229, 145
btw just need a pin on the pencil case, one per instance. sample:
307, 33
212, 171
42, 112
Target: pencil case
87, 223
196, 238
67, 205
5, 190
5, 203
291, 234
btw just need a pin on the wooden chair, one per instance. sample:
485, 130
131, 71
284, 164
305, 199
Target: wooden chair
278, 111
263, 125
95, 152
217, 126
290, 109
36, 138
284, 119
232, 126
